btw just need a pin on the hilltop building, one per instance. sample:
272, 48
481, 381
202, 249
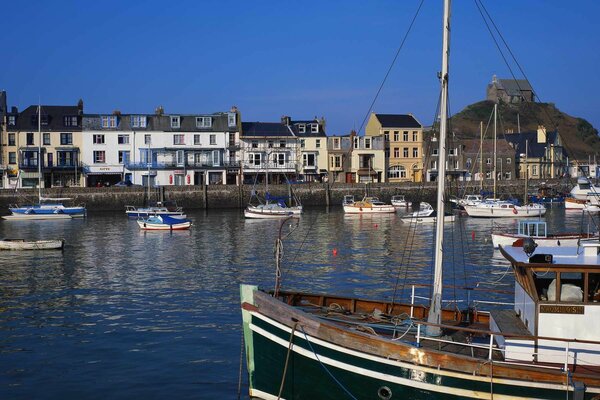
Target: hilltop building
510, 91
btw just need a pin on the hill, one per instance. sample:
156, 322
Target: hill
579, 137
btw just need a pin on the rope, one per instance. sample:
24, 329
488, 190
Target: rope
287, 360
324, 367
241, 364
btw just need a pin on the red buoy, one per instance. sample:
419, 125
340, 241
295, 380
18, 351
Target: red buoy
334, 252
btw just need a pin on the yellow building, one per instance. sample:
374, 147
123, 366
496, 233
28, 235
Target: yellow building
403, 136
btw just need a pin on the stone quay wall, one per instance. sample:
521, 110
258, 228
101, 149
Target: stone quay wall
229, 196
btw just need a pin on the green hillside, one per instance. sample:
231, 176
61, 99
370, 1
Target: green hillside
579, 137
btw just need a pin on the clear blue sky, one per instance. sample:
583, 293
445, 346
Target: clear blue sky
298, 58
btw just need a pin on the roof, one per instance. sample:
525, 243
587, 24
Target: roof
52, 119
472, 146
514, 87
274, 129
528, 140
397, 121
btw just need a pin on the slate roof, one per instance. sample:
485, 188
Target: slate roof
472, 146
273, 129
534, 149
187, 123
54, 115
398, 121
514, 87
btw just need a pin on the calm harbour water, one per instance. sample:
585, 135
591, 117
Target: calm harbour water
125, 314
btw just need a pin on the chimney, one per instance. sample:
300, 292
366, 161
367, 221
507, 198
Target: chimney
159, 110
233, 109
80, 106
3, 108
541, 134
285, 120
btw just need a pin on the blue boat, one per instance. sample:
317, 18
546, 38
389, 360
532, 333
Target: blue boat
49, 206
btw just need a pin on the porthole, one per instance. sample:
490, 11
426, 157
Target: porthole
384, 393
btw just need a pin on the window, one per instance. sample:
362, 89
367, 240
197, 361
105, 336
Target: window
180, 158
282, 143
147, 139
468, 162
405, 136
12, 157
203, 122
279, 158
508, 160
12, 120
270, 144
254, 158
175, 121
386, 153
178, 139
301, 128
231, 119
434, 165
396, 152
123, 139
507, 175
434, 152
66, 139
356, 142
99, 157
386, 136
367, 143
488, 175
452, 152
415, 152
65, 158
396, 136
318, 143
123, 157
197, 140
70, 121
213, 139
456, 164
488, 161
337, 161
46, 138
302, 143
314, 128
109, 121
254, 144
29, 138
232, 138
138, 121
397, 171
405, 152
308, 160
98, 139
534, 170
336, 143
415, 136
11, 139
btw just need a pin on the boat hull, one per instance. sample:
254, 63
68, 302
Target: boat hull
271, 212
18, 244
430, 219
354, 209
47, 209
36, 217
567, 240
327, 362
149, 226
479, 211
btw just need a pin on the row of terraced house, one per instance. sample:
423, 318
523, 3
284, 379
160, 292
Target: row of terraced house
74, 148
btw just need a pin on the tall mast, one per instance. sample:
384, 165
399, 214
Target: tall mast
40, 152
495, 149
435, 314
481, 157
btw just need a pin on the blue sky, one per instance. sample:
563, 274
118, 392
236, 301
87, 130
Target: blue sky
298, 58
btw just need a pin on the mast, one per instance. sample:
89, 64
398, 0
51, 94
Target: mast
148, 160
526, 170
39, 153
495, 149
435, 310
481, 157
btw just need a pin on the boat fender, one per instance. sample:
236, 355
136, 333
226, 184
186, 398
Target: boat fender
384, 393
360, 208
515, 211
144, 224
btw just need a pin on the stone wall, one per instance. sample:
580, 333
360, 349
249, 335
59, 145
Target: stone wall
229, 196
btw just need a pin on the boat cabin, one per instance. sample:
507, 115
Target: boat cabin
537, 229
557, 295
348, 200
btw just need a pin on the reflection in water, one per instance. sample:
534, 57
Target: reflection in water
125, 313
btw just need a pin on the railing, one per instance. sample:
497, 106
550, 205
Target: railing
175, 165
270, 166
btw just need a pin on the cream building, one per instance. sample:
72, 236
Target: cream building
368, 159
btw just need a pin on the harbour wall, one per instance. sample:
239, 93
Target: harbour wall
230, 196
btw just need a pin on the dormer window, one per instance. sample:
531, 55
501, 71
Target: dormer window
301, 128
70, 120
367, 143
336, 143
314, 128
203, 122
175, 121
12, 120
109, 121
138, 121
231, 120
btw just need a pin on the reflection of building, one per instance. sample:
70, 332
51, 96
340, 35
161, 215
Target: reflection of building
368, 158
544, 153
510, 90
162, 149
56, 149
339, 149
403, 145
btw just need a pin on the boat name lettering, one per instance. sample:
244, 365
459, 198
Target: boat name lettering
552, 309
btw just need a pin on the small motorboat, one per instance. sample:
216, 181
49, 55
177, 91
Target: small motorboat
399, 201
426, 214
571, 203
169, 208
164, 223
35, 216
369, 205
538, 231
22, 244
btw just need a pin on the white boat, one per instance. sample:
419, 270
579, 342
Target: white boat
271, 211
468, 200
571, 203
348, 200
538, 231
426, 214
160, 208
584, 190
164, 223
36, 217
399, 201
22, 244
504, 209
591, 208
369, 205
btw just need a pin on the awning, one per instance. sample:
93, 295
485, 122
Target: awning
102, 173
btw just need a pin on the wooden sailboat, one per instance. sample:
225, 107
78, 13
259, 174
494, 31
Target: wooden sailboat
316, 346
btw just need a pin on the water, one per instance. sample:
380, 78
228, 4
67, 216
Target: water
128, 314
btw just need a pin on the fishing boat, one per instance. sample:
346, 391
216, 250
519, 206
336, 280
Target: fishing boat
369, 205
399, 201
538, 231
159, 208
164, 223
319, 346
22, 244
426, 214
504, 209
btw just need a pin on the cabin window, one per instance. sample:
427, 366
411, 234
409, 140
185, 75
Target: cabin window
542, 280
593, 287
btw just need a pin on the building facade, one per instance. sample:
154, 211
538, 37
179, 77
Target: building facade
312, 154
512, 91
403, 136
539, 154
339, 150
368, 159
